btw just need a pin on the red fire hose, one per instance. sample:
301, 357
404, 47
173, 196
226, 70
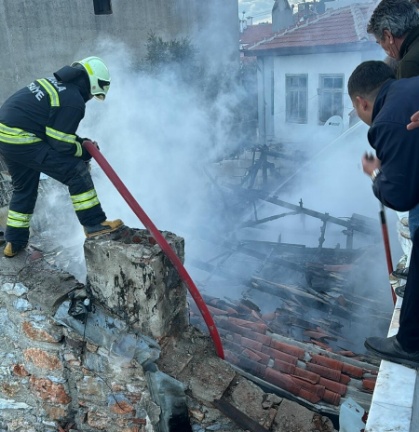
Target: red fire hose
161, 241
387, 247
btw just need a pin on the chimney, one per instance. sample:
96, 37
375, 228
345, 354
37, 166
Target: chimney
281, 15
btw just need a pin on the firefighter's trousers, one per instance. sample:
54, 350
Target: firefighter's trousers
25, 162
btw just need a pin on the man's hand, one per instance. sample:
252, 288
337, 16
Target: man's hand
370, 163
414, 121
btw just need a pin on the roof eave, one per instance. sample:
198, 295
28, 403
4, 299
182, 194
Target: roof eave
317, 49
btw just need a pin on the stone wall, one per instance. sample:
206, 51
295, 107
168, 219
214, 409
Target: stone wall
86, 372
117, 354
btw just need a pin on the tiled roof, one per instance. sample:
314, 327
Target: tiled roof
346, 25
255, 33
300, 370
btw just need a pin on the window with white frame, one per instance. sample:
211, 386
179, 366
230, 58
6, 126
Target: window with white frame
296, 98
330, 97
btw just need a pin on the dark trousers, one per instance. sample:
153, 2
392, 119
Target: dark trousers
408, 335
25, 163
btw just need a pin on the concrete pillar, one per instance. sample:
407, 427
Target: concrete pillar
133, 278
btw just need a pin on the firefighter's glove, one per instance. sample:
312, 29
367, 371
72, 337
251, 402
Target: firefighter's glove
86, 156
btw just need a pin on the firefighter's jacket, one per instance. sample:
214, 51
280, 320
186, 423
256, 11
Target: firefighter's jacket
46, 110
397, 185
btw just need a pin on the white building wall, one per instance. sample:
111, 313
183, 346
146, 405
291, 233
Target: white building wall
314, 65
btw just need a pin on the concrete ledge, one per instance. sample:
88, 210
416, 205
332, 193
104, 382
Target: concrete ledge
394, 404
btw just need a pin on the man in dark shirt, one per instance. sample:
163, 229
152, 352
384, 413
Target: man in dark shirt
386, 105
395, 25
38, 127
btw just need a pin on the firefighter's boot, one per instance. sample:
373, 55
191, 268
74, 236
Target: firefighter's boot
12, 250
105, 227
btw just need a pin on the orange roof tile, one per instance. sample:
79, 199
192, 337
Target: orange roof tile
255, 33
336, 27
317, 378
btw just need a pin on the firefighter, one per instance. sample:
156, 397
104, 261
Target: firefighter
38, 127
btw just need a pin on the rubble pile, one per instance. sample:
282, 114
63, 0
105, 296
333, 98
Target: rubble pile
117, 353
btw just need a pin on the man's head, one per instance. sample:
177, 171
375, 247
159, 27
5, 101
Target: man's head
390, 22
364, 84
98, 74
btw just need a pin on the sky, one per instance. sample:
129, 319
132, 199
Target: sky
260, 10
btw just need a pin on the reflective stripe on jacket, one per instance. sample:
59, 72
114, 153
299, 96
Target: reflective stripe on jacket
45, 110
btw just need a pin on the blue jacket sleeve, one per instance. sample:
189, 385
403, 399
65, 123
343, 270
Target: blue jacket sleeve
397, 186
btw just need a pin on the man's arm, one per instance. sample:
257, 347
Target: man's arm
397, 183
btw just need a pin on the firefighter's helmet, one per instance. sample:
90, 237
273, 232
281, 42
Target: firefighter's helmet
98, 74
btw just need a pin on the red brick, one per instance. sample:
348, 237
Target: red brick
40, 335
49, 391
42, 359
122, 407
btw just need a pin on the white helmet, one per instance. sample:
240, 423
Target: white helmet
98, 74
